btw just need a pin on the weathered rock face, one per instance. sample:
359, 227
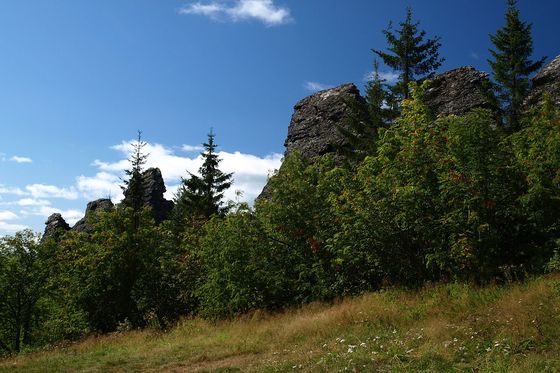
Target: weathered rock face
93, 207
313, 129
154, 189
458, 91
546, 81
55, 225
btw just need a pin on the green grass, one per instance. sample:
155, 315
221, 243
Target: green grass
441, 328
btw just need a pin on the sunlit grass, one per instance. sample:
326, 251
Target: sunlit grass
441, 328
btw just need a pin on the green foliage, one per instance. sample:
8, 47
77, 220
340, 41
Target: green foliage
425, 199
537, 151
511, 63
201, 196
389, 209
297, 222
410, 54
22, 285
241, 270
554, 264
478, 189
361, 126
125, 271
133, 187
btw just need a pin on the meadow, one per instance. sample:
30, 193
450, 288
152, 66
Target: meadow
440, 328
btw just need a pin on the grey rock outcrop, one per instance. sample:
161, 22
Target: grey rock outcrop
546, 81
54, 226
154, 188
92, 208
458, 91
313, 128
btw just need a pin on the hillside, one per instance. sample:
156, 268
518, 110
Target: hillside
451, 327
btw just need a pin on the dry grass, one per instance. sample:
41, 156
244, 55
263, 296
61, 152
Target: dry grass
440, 328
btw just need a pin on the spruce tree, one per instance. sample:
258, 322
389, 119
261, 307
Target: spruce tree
129, 260
132, 187
409, 54
511, 63
200, 196
361, 126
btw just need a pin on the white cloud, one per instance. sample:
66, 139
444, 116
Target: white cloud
240, 10
11, 228
474, 56
7, 215
315, 87
192, 148
33, 202
19, 159
209, 10
51, 191
8, 190
389, 76
71, 216
102, 185
250, 171
38, 200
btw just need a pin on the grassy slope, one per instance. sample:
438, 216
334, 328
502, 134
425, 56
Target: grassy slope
441, 328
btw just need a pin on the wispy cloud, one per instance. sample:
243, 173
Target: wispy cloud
249, 171
7, 215
9, 190
11, 228
388, 76
192, 148
474, 56
101, 185
51, 191
6, 227
71, 216
33, 202
19, 159
241, 10
36, 201
315, 87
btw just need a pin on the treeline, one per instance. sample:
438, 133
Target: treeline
419, 199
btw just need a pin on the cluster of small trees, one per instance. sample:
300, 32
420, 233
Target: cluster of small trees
422, 199
416, 58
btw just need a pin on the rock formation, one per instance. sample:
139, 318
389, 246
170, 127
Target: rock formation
546, 81
458, 91
154, 188
92, 208
313, 129
55, 225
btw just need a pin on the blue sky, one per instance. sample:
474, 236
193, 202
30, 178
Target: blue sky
79, 78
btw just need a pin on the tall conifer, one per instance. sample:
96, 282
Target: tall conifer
133, 188
409, 54
361, 126
201, 196
511, 63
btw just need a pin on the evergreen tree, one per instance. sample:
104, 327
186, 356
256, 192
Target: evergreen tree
361, 126
133, 188
133, 245
409, 54
201, 196
511, 63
